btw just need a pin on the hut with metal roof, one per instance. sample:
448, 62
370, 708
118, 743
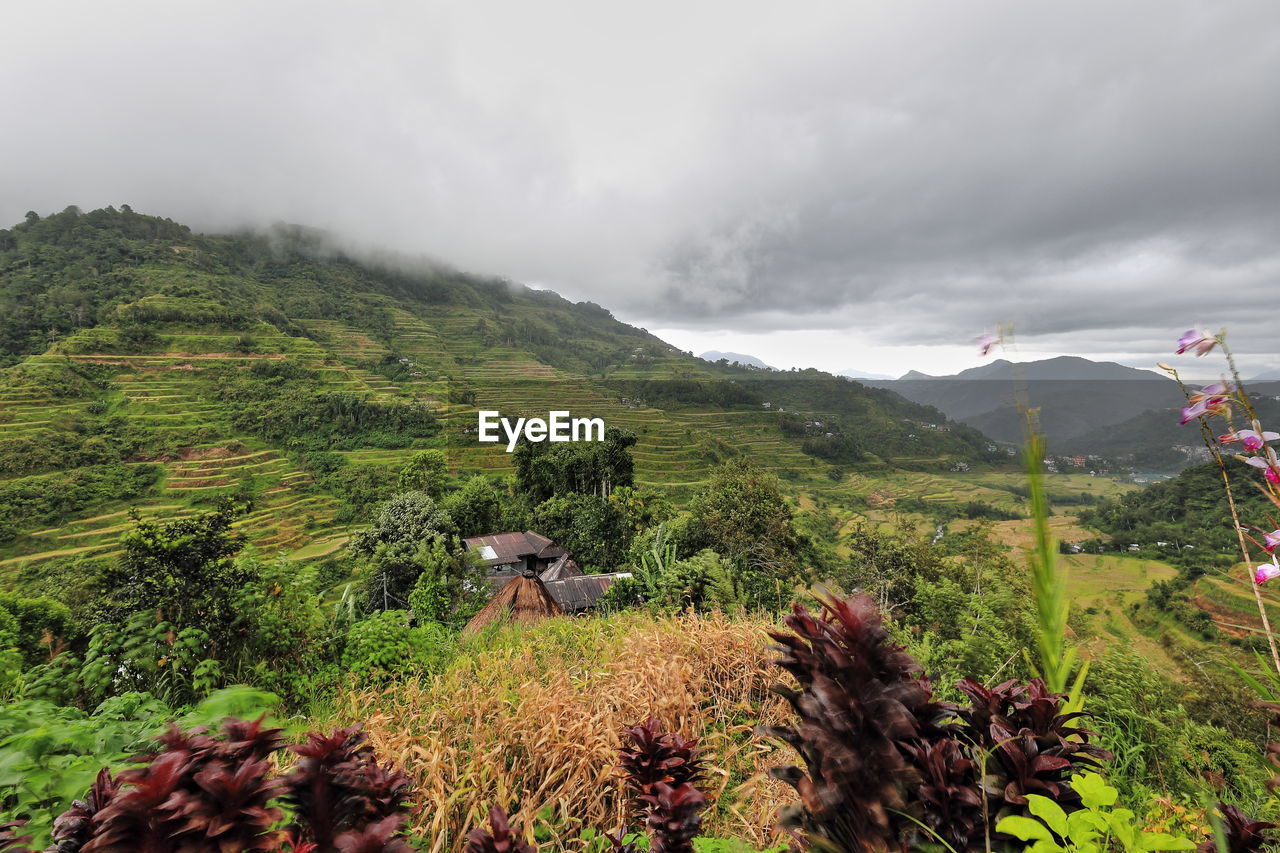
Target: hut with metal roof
511, 555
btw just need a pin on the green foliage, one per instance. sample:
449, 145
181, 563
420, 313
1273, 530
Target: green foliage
283, 641
970, 616
677, 393
1141, 716
35, 626
1189, 509
702, 582
359, 488
593, 528
182, 569
1056, 661
450, 587
384, 645
839, 448
1096, 828
140, 654
49, 499
288, 405
408, 517
743, 516
476, 508
545, 470
50, 754
412, 538
86, 442
887, 565
60, 272
426, 471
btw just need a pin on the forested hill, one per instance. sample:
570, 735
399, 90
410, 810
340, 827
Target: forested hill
123, 270
151, 366
1190, 509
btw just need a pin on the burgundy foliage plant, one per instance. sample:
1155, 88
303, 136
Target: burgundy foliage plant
887, 766
1241, 834
202, 792
659, 771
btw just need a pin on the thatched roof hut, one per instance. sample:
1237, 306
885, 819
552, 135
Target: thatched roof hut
524, 599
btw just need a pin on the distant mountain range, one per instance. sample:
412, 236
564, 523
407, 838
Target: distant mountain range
1066, 368
1075, 396
749, 360
861, 375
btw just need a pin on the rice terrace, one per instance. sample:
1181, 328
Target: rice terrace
363, 490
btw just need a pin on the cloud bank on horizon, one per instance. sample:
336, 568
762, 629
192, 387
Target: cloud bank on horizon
1101, 175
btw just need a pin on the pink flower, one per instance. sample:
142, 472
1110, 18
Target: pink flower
1210, 400
1219, 406
986, 343
1217, 389
1271, 541
1268, 462
1251, 439
1195, 339
1266, 572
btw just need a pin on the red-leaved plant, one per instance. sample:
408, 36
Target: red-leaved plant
1240, 834
11, 839
886, 765
654, 756
659, 771
221, 793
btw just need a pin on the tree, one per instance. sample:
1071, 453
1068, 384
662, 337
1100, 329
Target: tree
887, 565
593, 528
183, 569
401, 544
451, 587
476, 508
407, 517
742, 516
426, 471
544, 470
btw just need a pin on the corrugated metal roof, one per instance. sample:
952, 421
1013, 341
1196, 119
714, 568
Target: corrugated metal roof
501, 548
576, 594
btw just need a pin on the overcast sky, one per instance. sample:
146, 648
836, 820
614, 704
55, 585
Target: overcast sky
844, 185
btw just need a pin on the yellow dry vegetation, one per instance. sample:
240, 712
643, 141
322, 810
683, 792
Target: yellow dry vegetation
530, 719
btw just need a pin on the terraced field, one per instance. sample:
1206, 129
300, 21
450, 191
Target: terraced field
162, 392
182, 313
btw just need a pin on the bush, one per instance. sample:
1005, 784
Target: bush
384, 645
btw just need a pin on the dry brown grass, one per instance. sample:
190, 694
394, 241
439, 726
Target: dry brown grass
529, 719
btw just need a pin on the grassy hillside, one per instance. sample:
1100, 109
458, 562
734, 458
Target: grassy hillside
157, 369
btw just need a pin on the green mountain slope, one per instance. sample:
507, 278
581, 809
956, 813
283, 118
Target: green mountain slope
152, 367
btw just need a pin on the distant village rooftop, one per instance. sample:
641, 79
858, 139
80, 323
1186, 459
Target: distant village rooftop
508, 556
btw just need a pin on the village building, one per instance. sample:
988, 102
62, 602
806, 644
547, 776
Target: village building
509, 557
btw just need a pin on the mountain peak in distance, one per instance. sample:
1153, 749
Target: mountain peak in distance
731, 357
1064, 367
862, 374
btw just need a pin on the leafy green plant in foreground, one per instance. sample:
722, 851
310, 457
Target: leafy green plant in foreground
1095, 828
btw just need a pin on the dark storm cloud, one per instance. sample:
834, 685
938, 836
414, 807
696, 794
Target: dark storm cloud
915, 172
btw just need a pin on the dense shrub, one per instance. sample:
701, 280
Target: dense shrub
384, 645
